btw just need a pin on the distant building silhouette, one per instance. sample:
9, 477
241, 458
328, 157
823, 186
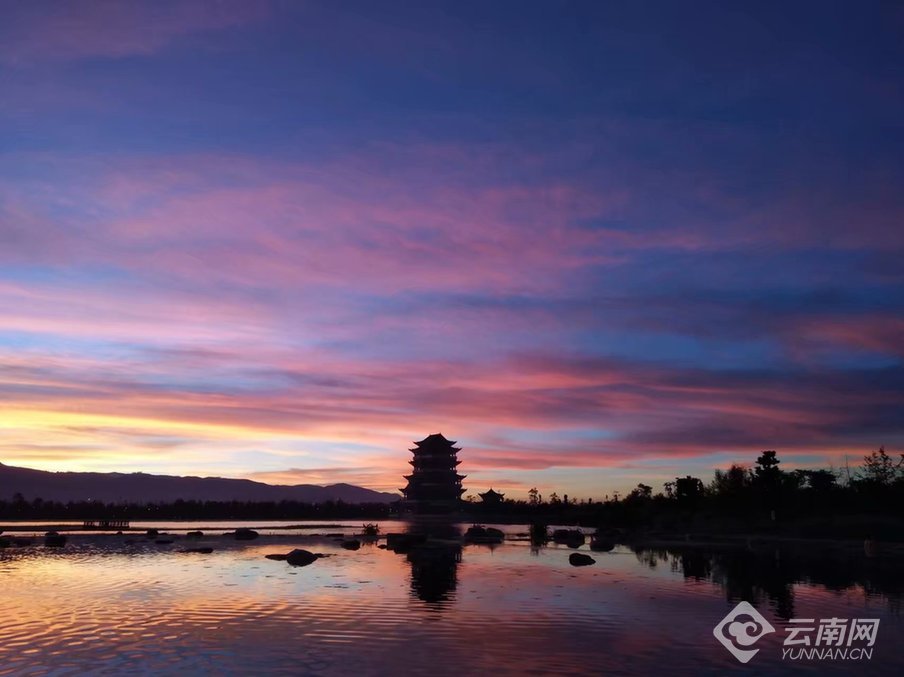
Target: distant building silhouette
434, 486
491, 497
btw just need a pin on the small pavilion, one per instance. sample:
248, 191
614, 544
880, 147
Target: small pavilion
491, 497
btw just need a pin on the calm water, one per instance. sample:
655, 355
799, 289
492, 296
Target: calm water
100, 606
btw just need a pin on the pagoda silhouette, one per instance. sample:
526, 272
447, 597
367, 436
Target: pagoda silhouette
434, 486
492, 497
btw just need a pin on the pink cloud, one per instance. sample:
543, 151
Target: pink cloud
212, 255
877, 333
333, 397
334, 225
359, 475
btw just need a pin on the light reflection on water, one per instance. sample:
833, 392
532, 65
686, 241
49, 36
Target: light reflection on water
102, 607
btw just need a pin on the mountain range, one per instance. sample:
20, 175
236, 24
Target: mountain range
143, 488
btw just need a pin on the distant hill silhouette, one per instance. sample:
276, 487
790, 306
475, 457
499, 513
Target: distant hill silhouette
144, 488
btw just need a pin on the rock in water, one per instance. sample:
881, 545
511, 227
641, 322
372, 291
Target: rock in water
598, 544
194, 534
301, 558
278, 557
245, 534
351, 544
579, 559
481, 534
54, 540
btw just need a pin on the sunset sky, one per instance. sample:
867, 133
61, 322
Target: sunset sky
597, 243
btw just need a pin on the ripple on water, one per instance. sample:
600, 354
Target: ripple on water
90, 609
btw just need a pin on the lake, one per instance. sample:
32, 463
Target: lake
101, 605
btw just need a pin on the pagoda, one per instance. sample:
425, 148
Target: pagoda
491, 497
434, 486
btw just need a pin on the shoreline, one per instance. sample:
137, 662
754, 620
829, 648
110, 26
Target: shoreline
79, 529
690, 540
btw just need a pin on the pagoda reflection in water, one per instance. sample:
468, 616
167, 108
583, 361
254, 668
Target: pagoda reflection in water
434, 572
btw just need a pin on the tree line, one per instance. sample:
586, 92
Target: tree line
812, 502
823, 501
39, 509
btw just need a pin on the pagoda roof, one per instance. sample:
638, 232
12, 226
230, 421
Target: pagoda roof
491, 494
425, 477
435, 438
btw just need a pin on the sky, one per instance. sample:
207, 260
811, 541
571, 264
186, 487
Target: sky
596, 243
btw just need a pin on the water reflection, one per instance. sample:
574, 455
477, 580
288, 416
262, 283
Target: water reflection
770, 573
434, 553
100, 604
434, 575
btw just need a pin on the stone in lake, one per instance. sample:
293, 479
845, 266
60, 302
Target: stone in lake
245, 534
481, 534
52, 539
579, 559
351, 544
151, 533
194, 535
301, 558
297, 558
200, 551
599, 544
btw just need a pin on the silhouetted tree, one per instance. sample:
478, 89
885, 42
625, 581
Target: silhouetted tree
688, 490
669, 489
732, 482
641, 492
879, 469
818, 480
767, 470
